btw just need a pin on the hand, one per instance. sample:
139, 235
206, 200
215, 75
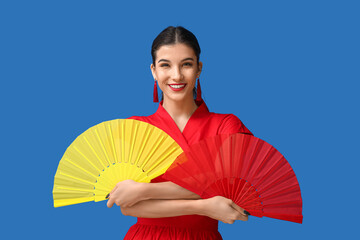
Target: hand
223, 209
126, 193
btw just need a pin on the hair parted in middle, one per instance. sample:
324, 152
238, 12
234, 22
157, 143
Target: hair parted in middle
172, 35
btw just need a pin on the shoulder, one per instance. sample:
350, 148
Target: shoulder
229, 123
139, 118
152, 119
147, 119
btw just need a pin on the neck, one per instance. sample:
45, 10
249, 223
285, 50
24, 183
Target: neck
178, 109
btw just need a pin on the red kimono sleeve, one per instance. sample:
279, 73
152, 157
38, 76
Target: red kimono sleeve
232, 124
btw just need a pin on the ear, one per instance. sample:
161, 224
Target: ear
152, 67
200, 69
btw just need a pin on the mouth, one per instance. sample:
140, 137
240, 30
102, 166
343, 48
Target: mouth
177, 87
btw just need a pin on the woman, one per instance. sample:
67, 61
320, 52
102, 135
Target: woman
164, 209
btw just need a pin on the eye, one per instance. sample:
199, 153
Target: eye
164, 65
188, 64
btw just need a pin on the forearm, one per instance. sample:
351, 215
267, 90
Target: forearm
218, 207
164, 208
167, 190
128, 192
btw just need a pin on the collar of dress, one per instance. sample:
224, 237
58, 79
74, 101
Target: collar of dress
194, 124
200, 112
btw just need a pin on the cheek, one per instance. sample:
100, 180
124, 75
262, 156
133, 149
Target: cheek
192, 76
161, 83
193, 84
161, 75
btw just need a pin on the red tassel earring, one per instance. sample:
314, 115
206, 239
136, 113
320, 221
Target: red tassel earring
198, 91
155, 97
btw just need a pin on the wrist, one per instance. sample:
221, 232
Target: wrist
145, 191
199, 207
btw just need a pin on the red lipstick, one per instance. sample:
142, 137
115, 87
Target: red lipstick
177, 88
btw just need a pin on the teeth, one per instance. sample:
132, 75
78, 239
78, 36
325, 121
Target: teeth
177, 86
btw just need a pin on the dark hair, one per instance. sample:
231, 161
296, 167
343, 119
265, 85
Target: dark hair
172, 35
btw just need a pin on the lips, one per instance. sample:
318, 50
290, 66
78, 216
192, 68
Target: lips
177, 87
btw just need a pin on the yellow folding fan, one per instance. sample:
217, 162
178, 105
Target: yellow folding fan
108, 153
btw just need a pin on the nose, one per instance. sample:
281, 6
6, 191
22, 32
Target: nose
176, 74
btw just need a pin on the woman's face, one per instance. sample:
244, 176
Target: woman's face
176, 70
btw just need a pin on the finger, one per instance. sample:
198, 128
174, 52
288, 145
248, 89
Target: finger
231, 221
110, 203
113, 189
243, 218
239, 209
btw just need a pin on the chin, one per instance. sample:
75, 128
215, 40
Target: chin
178, 97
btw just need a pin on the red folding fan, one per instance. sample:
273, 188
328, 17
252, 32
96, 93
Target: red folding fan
243, 168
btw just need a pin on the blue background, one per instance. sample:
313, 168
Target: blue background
288, 69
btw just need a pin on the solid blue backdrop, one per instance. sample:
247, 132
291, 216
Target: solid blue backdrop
288, 69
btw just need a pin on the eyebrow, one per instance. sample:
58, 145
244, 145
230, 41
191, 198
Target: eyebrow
165, 60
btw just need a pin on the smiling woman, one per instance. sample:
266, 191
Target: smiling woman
176, 71
164, 209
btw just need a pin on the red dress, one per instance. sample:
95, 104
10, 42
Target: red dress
201, 124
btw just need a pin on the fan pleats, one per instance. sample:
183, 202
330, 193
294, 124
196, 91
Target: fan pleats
243, 168
108, 153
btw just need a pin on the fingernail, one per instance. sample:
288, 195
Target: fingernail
246, 212
107, 196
